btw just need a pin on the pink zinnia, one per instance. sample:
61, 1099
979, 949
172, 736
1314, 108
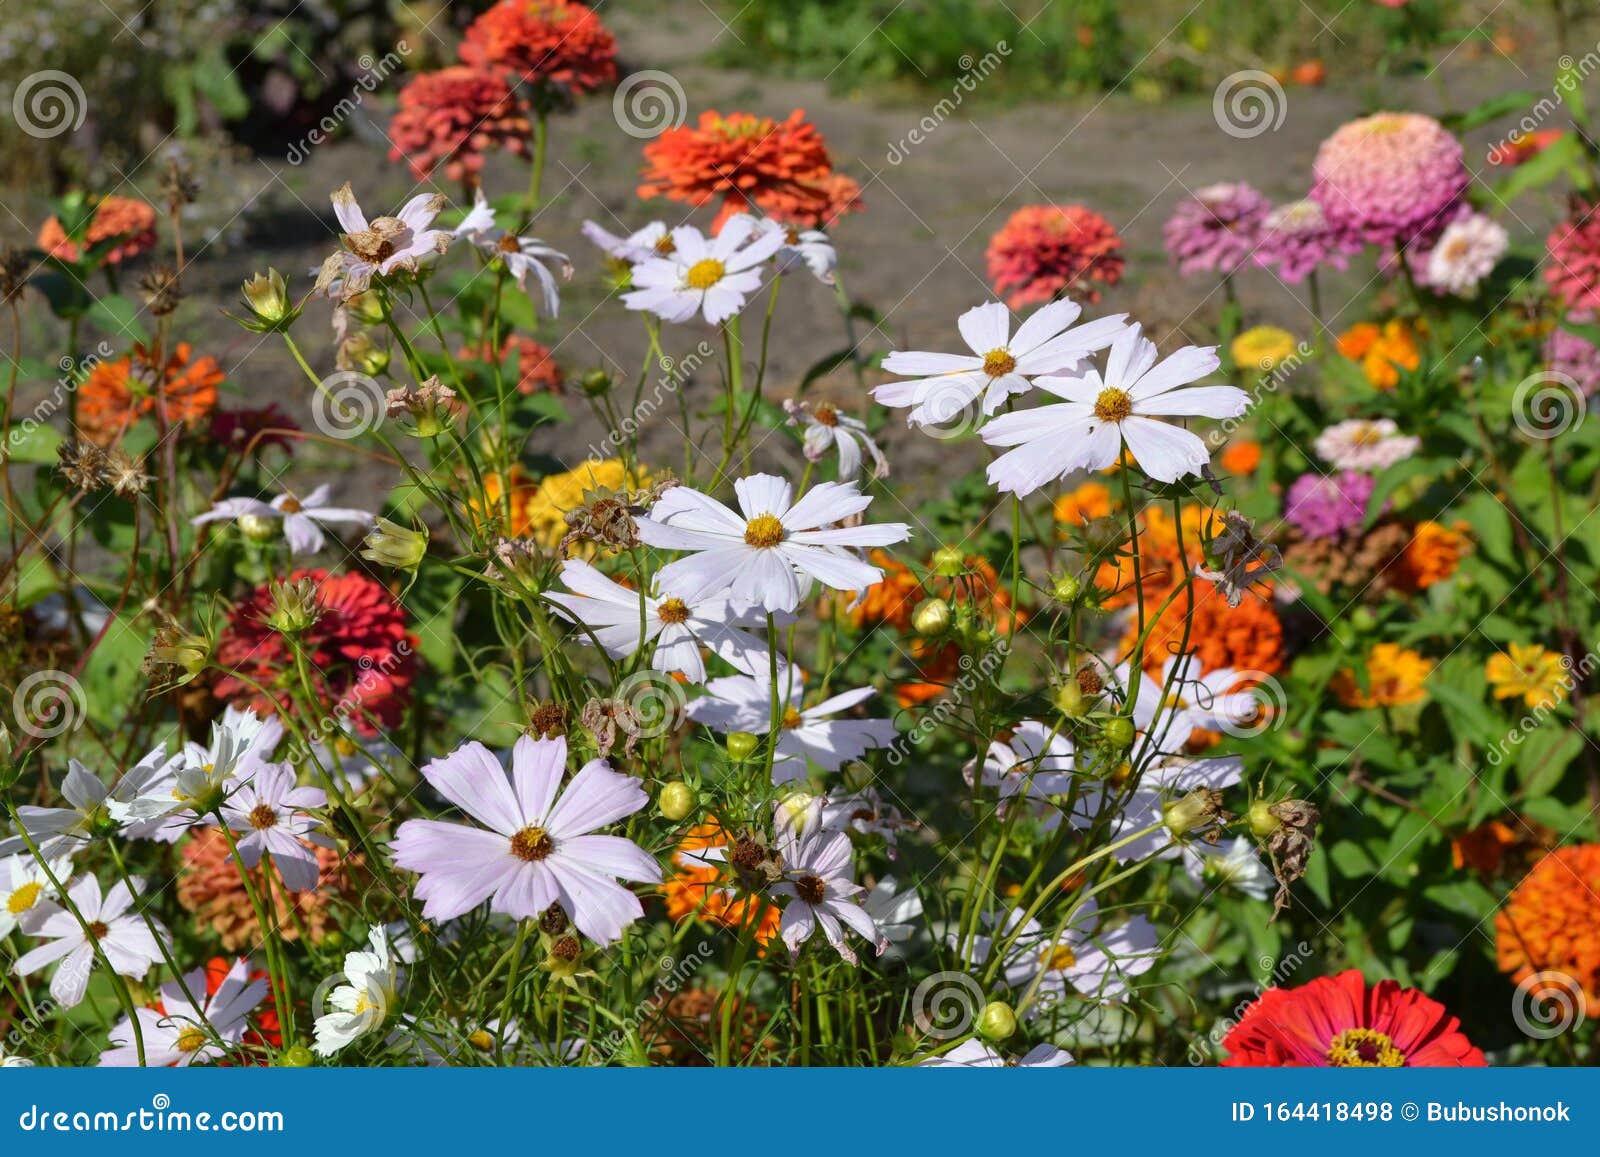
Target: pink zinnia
1573, 270
1217, 229
1572, 356
1326, 507
1390, 178
1296, 239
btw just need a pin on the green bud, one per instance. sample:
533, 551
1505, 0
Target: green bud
931, 619
949, 562
1069, 699
394, 545
258, 528
296, 1057
1363, 620
741, 745
267, 296
1118, 732
293, 605
1198, 809
333, 940
595, 383
676, 800
365, 308
1066, 588
997, 1022
1262, 822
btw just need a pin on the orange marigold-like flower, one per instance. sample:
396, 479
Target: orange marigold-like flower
1431, 556
1248, 637
1242, 458
889, 602
129, 221
1498, 845
1074, 508
779, 167
1395, 676
1046, 251
696, 889
118, 393
1382, 351
555, 43
452, 118
1551, 923
1160, 564
210, 887
938, 665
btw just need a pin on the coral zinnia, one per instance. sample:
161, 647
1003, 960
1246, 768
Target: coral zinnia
1247, 638
548, 43
360, 658
1551, 922
1338, 1022
1573, 270
1391, 178
1045, 251
209, 886
118, 393
537, 369
452, 118
1395, 676
126, 220
779, 167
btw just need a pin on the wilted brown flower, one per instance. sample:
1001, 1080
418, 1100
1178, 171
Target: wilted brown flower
607, 516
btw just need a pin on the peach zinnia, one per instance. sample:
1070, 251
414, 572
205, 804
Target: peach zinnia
126, 220
1047, 251
548, 43
1551, 922
118, 393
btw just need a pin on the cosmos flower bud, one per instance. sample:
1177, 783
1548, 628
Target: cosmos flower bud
293, 606
391, 544
268, 298
1262, 822
1198, 809
8, 767
1066, 588
741, 745
258, 529
997, 1021
296, 1057
932, 618
1118, 732
360, 353
676, 800
365, 308
182, 655
595, 383
949, 562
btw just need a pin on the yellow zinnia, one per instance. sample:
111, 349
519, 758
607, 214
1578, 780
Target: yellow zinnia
1531, 671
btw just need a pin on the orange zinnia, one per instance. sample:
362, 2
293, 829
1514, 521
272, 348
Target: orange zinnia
127, 218
547, 42
1074, 508
1382, 351
1242, 458
695, 889
117, 394
1248, 637
1551, 923
1395, 676
1431, 556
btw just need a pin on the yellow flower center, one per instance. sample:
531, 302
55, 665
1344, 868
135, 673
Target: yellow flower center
705, 273
998, 363
532, 844
1364, 1048
1058, 958
263, 816
24, 898
190, 1040
763, 530
791, 719
1113, 405
672, 611
480, 1040
1366, 436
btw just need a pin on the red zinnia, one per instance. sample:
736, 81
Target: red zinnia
1337, 1022
1573, 270
236, 430
1045, 251
127, 218
552, 42
537, 369
361, 657
782, 168
452, 118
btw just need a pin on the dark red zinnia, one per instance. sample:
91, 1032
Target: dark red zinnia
1338, 1022
362, 658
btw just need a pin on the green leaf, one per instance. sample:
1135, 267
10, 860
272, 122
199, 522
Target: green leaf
119, 316
31, 442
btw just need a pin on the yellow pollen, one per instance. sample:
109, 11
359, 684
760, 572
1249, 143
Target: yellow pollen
532, 844
763, 530
791, 719
1113, 405
998, 363
1367, 436
1364, 1048
480, 1040
190, 1040
672, 611
705, 273
262, 816
1057, 959
24, 898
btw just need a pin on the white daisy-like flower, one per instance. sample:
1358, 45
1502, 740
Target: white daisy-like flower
672, 631
122, 935
654, 240
709, 276
200, 776
381, 247
13, 1060
866, 813
974, 1054
1183, 700
179, 1034
541, 846
1000, 365
897, 914
827, 429
819, 882
96, 810
268, 809
1099, 413
303, 518
763, 554
809, 247
522, 255
1083, 957
1162, 781
26, 891
1233, 864
361, 1005
744, 703
1465, 254
1366, 444
1036, 764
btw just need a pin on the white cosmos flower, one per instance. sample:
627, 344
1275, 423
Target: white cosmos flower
1465, 254
303, 518
362, 1004
1086, 431
1001, 364
1233, 864
26, 890
1036, 764
654, 240
96, 810
974, 1054
383, 246
744, 703
540, 847
1366, 444
122, 935
710, 276
762, 554
827, 429
522, 255
201, 775
1083, 956
1182, 701
896, 913
866, 813
179, 1034
269, 810
673, 629
808, 247
12, 1060
819, 881
1161, 781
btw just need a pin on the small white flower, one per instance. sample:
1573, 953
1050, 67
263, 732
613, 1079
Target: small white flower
180, 1034
1036, 764
120, 933
96, 810
674, 630
865, 813
1000, 364
1365, 444
1465, 254
201, 776
303, 518
1099, 413
268, 808
709, 276
12, 1060
896, 914
1182, 701
1231, 864
827, 429
363, 1004
762, 554
522, 255
974, 1054
381, 247
819, 881
26, 891
809, 247
654, 240
1096, 962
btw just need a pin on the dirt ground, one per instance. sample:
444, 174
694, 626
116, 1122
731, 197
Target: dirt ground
916, 253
